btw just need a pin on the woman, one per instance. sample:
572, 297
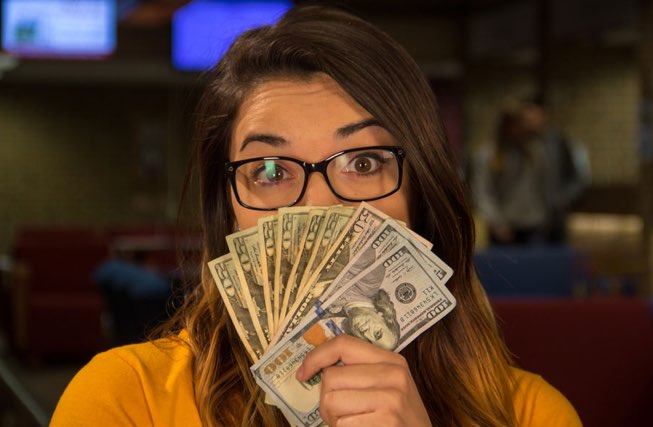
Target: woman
511, 183
321, 82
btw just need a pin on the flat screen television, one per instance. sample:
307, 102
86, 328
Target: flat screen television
203, 30
75, 29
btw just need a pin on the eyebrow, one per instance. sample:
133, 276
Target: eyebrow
350, 129
270, 139
276, 141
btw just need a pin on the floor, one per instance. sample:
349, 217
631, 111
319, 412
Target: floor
30, 393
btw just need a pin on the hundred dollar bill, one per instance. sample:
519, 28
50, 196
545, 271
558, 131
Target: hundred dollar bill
290, 230
336, 219
361, 226
313, 225
417, 291
244, 247
419, 238
226, 279
390, 235
388, 304
267, 237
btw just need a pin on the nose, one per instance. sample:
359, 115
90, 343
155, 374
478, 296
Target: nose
318, 192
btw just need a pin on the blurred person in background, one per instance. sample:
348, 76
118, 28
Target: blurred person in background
568, 163
510, 182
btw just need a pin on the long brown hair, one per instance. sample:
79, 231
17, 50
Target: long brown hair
510, 136
460, 365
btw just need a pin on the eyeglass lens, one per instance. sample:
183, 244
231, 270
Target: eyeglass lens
357, 175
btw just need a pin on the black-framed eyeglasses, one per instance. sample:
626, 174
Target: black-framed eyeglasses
355, 175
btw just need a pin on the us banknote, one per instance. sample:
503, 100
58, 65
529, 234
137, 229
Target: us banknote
336, 219
237, 303
361, 226
390, 235
246, 252
314, 224
267, 235
290, 231
398, 284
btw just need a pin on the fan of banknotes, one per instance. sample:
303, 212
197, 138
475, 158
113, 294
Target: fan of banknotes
308, 274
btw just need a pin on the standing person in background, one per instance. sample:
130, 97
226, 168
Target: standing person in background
568, 163
510, 180
322, 85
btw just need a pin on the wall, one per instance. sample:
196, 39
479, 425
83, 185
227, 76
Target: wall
594, 96
487, 88
88, 155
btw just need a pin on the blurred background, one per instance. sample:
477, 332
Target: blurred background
97, 103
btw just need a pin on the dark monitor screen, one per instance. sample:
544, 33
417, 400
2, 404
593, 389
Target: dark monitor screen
203, 30
59, 28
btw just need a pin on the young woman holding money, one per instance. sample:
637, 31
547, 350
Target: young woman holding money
345, 101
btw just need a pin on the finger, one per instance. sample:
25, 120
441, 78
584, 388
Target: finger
379, 375
349, 350
342, 403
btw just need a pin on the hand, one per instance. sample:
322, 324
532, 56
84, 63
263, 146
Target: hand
372, 386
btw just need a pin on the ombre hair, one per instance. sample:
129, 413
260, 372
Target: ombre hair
460, 365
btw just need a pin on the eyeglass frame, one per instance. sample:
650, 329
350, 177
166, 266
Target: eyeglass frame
321, 167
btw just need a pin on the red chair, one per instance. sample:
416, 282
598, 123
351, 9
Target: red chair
598, 353
56, 307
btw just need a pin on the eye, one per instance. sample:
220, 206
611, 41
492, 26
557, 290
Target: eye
364, 164
270, 172
378, 334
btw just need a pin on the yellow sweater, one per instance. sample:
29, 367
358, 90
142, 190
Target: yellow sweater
151, 384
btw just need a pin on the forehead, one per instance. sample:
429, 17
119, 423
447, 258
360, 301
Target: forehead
295, 92
293, 107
